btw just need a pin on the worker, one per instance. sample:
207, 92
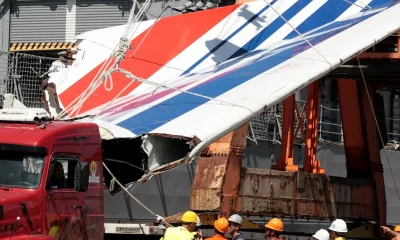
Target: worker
58, 180
388, 231
220, 228
321, 234
235, 222
273, 229
197, 233
338, 229
163, 229
62, 62
184, 232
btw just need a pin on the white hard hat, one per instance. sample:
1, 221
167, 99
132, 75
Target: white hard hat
321, 234
198, 224
236, 219
339, 226
63, 53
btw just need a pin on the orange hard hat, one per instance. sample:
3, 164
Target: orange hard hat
275, 224
221, 224
397, 228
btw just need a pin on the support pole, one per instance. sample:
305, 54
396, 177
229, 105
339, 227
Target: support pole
311, 164
361, 139
285, 161
231, 180
216, 183
372, 140
354, 145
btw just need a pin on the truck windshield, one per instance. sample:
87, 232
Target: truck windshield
20, 169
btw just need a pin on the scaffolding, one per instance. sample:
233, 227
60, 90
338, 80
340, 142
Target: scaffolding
268, 125
21, 75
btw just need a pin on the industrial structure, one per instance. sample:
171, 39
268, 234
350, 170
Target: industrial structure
327, 151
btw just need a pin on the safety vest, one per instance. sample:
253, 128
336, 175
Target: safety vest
178, 233
216, 237
340, 238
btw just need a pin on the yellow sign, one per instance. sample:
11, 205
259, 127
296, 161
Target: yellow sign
94, 178
93, 167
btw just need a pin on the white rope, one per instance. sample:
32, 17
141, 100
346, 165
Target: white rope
129, 75
379, 130
115, 180
301, 35
76, 104
110, 102
108, 74
118, 53
354, 3
254, 139
156, 172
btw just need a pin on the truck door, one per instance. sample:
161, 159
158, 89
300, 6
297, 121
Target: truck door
63, 203
93, 197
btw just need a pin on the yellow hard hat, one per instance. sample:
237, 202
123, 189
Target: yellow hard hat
189, 217
397, 228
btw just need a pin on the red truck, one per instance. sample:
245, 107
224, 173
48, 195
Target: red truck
36, 200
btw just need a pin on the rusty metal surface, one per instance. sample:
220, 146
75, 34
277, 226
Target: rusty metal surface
231, 183
222, 185
217, 177
304, 195
266, 191
207, 183
218, 149
174, 219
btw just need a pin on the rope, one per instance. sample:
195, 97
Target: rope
105, 74
379, 130
115, 180
301, 35
156, 172
133, 77
151, 28
354, 3
254, 139
119, 54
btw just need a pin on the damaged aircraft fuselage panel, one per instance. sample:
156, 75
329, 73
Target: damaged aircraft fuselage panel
215, 71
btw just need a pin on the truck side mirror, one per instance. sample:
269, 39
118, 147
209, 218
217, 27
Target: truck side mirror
81, 178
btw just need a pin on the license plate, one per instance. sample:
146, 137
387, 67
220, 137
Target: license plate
127, 230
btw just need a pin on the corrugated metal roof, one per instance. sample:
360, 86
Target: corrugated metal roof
96, 14
59, 21
38, 21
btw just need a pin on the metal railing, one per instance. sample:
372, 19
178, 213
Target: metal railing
20, 75
395, 135
267, 126
323, 123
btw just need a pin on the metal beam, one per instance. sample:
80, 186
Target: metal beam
372, 70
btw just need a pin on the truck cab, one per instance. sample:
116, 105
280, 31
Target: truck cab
51, 179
